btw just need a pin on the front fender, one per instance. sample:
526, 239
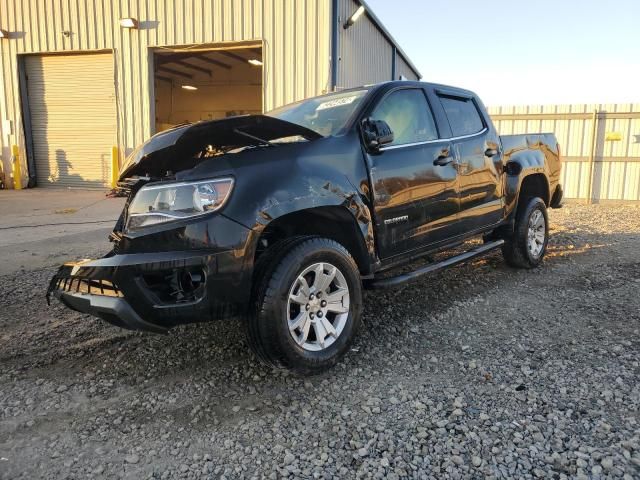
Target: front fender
276, 182
328, 195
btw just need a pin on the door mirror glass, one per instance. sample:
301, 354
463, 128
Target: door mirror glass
376, 133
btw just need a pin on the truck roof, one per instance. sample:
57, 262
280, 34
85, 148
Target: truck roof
392, 83
436, 86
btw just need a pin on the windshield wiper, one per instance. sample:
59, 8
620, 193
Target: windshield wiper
253, 137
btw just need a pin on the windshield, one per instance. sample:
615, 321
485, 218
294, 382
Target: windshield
326, 115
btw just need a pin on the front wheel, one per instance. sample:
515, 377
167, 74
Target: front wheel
526, 247
306, 305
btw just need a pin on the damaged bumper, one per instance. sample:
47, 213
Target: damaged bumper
115, 310
159, 290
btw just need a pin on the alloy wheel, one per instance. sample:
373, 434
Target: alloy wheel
318, 306
536, 233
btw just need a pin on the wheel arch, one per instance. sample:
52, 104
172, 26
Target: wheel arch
526, 172
526, 184
335, 222
535, 185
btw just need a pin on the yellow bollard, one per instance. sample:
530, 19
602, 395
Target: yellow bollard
115, 167
15, 168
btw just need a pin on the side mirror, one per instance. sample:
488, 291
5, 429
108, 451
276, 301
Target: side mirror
376, 133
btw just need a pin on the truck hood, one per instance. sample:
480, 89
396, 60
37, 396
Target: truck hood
179, 148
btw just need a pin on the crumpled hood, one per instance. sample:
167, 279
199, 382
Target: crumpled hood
174, 150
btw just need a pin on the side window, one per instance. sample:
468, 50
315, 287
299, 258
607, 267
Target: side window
409, 116
462, 114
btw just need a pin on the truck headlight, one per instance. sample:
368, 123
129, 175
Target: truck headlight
160, 203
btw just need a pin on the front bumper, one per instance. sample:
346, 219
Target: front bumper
148, 291
114, 310
157, 290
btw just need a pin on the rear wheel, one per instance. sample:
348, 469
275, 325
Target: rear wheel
526, 247
306, 306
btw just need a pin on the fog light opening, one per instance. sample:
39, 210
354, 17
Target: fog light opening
191, 281
178, 285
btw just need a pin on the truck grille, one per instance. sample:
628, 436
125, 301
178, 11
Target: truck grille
84, 285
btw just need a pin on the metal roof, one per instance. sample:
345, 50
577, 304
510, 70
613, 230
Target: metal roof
386, 33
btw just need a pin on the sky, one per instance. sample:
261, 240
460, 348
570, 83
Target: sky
515, 52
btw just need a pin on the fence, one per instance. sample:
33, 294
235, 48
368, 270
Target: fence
600, 146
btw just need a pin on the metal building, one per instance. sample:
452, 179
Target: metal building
83, 82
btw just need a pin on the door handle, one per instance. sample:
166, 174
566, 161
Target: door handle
490, 152
443, 159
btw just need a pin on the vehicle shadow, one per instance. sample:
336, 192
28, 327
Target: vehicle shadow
461, 282
210, 364
219, 345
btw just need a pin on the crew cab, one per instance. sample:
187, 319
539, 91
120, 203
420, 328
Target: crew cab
284, 218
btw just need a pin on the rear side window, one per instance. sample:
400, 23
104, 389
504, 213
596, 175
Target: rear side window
409, 116
462, 114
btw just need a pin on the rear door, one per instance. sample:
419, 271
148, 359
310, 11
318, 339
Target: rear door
415, 200
479, 162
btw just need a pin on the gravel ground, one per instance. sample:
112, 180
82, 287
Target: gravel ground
478, 371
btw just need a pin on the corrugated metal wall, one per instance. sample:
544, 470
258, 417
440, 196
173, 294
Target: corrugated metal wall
364, 52
597, 166
296, 38
403, 69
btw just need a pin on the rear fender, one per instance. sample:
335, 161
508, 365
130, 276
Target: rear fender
519, 166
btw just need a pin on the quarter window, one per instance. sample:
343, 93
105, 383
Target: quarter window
409, 116
463, 115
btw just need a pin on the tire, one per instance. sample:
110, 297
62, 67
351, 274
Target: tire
280, 329
517, 250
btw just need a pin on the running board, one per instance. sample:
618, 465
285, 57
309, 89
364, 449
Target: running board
434, 267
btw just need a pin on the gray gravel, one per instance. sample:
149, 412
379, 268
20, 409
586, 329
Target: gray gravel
477, 371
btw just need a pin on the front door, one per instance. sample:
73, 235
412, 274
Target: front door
477, 150
413, 178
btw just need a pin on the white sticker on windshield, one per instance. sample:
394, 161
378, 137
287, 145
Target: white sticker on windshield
338, 102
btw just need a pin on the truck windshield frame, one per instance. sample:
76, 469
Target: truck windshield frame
327, 115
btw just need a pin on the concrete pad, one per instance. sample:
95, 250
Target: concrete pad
45, 227
45, 253
35, 214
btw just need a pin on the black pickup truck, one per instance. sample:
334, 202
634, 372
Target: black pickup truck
284, 218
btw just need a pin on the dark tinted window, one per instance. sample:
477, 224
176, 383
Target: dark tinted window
409, 116
463, 115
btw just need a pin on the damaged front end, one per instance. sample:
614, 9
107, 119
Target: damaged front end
183, 147
176, 257
151, 292
98, 296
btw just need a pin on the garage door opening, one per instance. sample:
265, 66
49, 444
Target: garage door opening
198, 84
